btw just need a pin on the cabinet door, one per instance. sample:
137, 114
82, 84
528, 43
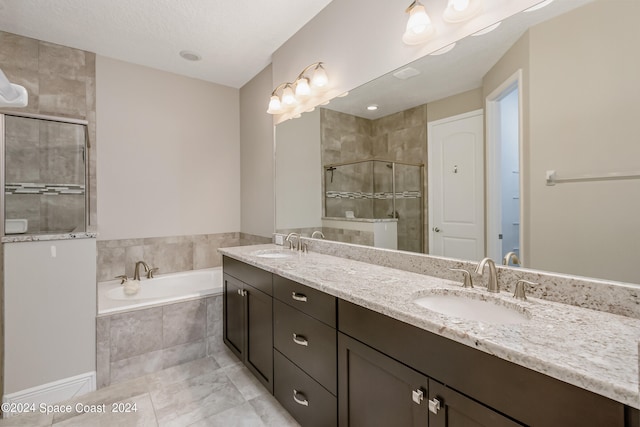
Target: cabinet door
375, 390
259, 335
233, 315
449, 408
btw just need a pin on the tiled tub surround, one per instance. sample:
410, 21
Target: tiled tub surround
168, 254
591, 349
139, 342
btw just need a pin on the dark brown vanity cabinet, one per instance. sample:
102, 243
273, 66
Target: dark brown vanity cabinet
248, 317
481, 389
376, 390
305, 352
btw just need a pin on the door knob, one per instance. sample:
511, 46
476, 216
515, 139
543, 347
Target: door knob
436, 229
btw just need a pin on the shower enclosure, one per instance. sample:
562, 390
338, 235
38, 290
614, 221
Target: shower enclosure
44, 174
378, 189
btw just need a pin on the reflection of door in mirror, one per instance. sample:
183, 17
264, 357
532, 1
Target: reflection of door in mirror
503, 169
456, 186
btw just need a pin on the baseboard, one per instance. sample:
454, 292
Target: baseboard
53, 392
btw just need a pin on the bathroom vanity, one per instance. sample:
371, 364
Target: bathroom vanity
342, 342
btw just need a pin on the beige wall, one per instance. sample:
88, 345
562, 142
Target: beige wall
299, 173
360, 40
169, 158
584, 113
256, 156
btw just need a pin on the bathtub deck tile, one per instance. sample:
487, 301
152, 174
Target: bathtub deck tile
136, 333
183, 322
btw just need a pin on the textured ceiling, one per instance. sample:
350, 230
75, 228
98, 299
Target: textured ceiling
235, 39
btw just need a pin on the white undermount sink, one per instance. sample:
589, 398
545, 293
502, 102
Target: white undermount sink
274, 253
473, 306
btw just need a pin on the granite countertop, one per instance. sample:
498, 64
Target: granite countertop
17, 238
594, 350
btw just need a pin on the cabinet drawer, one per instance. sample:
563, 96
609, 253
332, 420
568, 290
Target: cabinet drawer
258, 278
308, 300
307, 342
306, 400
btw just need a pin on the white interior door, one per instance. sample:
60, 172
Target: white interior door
456, 186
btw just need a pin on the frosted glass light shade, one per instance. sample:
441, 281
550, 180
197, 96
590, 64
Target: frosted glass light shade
302, 87
320, 78
288, 97
274, 105
461, 10
419, 28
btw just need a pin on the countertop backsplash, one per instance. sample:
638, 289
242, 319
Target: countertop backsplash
602, 295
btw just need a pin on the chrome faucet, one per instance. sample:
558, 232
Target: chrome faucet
313, 235
288, 239
136, 272
492, 283
511, 257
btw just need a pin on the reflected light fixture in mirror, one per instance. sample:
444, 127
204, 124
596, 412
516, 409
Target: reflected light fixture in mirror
305, 95
419, 28
461, 10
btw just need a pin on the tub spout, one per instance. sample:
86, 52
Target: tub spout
136, 272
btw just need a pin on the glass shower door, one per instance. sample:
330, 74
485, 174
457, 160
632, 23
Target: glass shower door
44, 176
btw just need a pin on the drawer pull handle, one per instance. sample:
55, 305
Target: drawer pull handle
303, 401
300, 340
299, 297
242, 292
417, 396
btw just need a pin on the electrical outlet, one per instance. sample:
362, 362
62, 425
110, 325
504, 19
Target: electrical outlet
279, 239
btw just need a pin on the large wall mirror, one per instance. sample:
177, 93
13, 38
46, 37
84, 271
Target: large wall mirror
518, 140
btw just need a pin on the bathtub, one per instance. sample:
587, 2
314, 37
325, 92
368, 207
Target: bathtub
163, 289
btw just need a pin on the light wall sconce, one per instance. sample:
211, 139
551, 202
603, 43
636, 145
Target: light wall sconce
461, 10
419, 28
301, 94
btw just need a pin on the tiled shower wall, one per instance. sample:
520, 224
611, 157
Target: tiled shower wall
61, 81
400, 137
168, 254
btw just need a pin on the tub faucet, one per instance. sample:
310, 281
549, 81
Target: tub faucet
136, 272
492, 284
511, 257
319, 233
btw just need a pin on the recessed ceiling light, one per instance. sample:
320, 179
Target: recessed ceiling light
372, 107
406, 73
539, 5
443, 50
190, 56
487, 30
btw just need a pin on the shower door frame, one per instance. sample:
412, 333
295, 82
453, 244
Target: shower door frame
67, 120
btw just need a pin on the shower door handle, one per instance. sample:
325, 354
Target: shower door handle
436, 229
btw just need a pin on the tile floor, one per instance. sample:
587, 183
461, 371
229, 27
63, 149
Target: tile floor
214, 391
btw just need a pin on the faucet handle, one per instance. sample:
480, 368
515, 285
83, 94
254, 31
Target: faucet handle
467, 280
520, 292
123, 278
151, 271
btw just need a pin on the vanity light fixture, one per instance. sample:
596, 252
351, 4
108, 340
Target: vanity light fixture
419, 28
461, 10
305, 90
